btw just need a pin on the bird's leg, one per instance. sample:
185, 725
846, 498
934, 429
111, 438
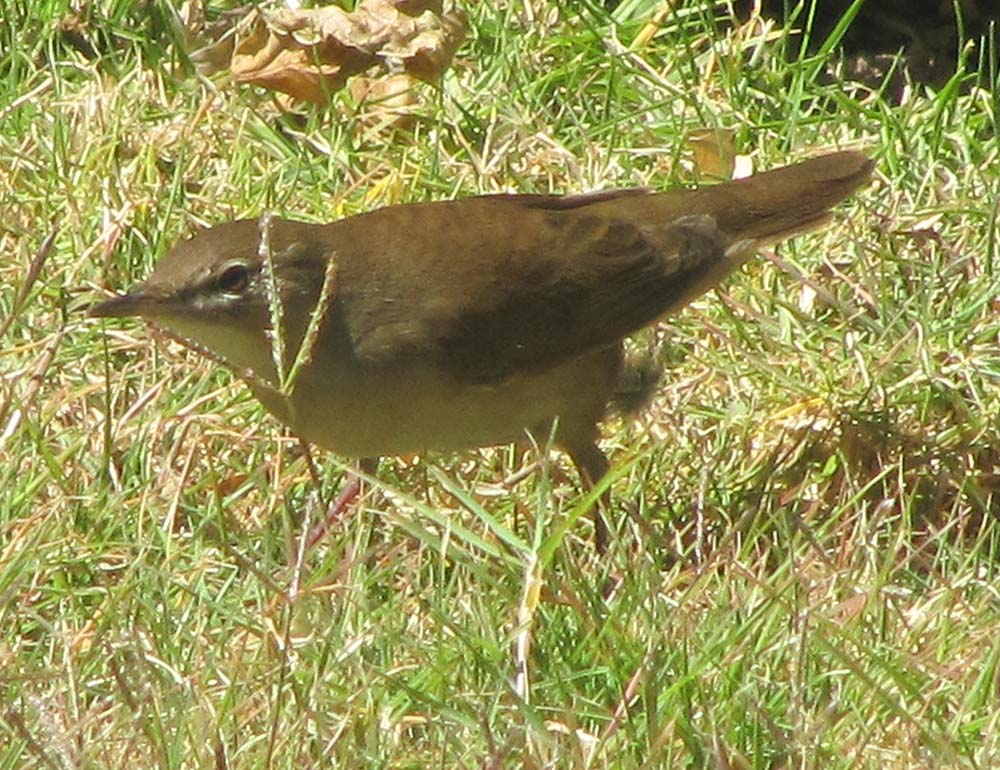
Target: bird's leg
592, 464
348, 493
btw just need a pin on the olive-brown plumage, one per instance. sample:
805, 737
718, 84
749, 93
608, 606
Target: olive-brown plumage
466, 323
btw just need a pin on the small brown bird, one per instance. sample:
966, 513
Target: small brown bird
465, 323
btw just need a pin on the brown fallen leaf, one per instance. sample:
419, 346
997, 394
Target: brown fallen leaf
389, 101
310, 53
423, 35
714, 151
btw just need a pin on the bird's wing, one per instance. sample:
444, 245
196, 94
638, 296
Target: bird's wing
587, 291
542, 280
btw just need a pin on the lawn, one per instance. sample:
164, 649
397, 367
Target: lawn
805, 567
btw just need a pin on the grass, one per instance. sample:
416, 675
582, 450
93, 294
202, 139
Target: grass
805, 573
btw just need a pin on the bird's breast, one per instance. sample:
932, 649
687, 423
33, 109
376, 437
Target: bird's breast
361, 410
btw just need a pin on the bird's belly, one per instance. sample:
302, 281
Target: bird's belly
368, 412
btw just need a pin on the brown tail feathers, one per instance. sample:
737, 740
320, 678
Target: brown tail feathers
777, 204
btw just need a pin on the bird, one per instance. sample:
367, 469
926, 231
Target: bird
457, 324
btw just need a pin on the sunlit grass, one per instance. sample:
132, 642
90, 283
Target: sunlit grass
804, 568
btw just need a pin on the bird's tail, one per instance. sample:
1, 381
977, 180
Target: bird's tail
707, 233
777, 204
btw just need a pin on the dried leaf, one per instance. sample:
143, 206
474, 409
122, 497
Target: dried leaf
311, 53
270, 52
714, 152
421, 37
385, 102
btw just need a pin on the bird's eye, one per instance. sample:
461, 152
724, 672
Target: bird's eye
234, 279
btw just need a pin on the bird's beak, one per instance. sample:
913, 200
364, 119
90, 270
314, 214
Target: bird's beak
134, 303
